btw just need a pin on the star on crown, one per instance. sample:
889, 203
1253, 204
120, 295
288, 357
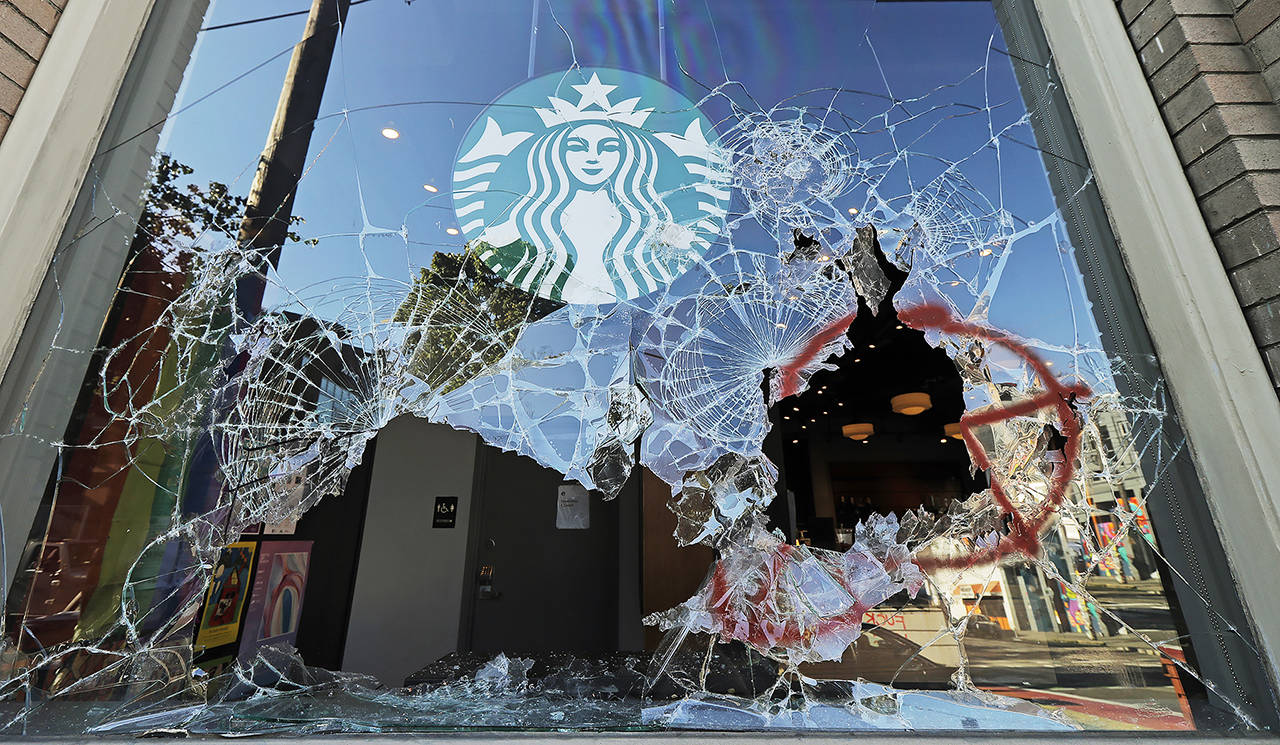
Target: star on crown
593, 105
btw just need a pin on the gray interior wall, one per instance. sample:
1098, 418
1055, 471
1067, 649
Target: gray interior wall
409, 581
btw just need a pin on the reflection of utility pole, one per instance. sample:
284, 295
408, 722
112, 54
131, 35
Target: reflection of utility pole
270, 206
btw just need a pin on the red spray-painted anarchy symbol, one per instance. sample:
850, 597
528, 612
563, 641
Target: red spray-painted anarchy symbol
1024, 535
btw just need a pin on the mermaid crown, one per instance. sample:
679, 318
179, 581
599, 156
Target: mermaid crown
593, 105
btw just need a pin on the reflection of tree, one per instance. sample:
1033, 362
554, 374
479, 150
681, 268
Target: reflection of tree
172, 212
464, 317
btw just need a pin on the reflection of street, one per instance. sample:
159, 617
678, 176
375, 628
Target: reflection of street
1141, 605
1112, 681
1093, 713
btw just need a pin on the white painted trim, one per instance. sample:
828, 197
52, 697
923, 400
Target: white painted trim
45, 154
1223, 395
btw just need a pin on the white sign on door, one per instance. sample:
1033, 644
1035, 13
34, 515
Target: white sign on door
573, 510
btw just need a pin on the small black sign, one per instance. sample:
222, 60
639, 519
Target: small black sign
446, 514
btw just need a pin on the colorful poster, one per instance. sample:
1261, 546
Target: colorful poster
1144, 524
278, 588
220, 620
1077, 613
1107, 558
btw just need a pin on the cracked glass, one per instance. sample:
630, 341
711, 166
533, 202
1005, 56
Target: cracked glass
601, 365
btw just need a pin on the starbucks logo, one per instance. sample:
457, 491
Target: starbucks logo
591, 187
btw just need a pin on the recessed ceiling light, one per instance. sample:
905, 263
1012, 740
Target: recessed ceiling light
428, 187
451, 231
390, 133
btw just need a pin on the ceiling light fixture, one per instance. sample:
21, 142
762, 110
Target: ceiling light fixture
911, 403
391, 133
858, 431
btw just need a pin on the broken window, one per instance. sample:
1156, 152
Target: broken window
626, 365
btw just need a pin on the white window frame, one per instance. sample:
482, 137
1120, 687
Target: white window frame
45, 153
1225, 399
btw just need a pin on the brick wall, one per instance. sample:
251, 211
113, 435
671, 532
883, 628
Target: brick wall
25, 26
1214, 68
1258, 22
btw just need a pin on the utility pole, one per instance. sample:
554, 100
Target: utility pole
267, 215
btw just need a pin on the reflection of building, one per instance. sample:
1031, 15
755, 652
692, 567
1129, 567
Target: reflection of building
1118, 526
1101, 530
1027, 596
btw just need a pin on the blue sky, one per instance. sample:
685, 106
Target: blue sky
428, 68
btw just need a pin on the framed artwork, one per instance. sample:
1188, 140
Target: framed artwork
223, 603
278, 589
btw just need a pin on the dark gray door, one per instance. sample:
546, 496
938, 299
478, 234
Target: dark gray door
543, 589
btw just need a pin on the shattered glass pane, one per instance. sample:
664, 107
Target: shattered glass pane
793, 289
